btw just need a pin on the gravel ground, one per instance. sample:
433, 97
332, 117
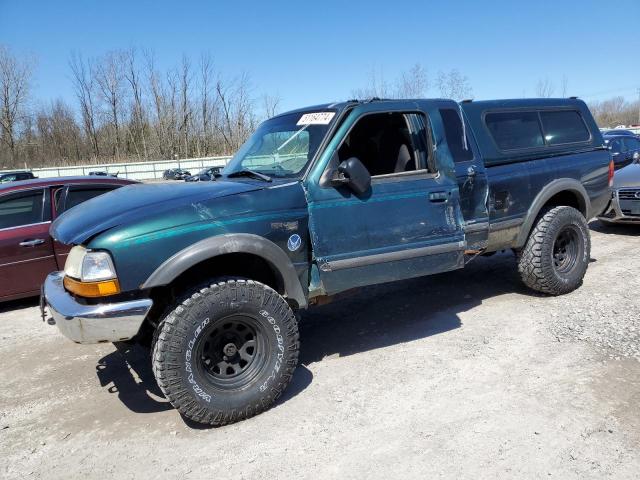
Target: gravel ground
460, 375
607, 316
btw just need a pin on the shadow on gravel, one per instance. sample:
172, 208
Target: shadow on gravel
18, 304
384, 315
615, 228
127, 373
370, 318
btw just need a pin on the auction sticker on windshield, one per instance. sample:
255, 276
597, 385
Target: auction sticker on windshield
316, 118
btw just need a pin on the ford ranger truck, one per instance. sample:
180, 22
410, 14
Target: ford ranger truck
316, 202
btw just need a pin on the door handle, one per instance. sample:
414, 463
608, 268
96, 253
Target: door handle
439, 197
471, 171
32, 243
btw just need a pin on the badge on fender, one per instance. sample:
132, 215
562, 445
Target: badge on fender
294, 242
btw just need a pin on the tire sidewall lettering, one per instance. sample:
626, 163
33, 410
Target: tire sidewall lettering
199, 391
280, 347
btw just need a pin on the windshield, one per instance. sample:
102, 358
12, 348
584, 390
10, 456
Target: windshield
282, 146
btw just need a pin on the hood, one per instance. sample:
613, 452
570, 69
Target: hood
133, 202
628, 176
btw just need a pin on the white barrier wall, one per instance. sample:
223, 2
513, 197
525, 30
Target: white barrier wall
134, 171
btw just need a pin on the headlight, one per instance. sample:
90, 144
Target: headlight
90, 274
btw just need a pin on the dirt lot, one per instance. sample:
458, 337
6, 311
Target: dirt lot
460, 375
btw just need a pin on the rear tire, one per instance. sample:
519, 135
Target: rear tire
226, 352
556, 255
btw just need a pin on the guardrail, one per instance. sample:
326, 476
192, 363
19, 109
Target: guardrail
134, 171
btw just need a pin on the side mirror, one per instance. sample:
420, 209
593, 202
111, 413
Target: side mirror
353, 174
636, 156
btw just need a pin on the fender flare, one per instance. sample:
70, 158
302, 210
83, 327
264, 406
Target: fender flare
212, 247
556, 186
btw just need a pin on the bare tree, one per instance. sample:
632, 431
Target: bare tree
15, 78
270, 105
413, 83
454, 85
132, 76
564, 86
109, 75
159, 102
85, 88
377, 86
58, 132
185, 106
206, 104
545, 88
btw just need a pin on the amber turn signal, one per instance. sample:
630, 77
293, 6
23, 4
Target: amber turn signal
92, 289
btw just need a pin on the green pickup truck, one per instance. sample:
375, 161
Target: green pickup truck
319, 201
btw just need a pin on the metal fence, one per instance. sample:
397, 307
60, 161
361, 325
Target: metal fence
136, 170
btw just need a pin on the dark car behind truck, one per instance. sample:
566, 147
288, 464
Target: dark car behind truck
319, 201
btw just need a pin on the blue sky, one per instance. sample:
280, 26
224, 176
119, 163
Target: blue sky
311, 52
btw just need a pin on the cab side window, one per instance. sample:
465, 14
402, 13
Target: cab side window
387, 143
23, 208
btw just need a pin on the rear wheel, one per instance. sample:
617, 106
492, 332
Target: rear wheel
556, 255
226, 352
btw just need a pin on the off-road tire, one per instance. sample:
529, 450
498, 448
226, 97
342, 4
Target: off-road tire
538, 263
185, 361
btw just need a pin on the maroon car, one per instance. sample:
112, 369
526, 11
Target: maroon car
27, 252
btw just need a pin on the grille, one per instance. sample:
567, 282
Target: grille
629, 194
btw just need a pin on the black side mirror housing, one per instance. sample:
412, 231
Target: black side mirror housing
353, 174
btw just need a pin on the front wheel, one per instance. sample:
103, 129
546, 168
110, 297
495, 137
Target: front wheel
556, 256
226, 352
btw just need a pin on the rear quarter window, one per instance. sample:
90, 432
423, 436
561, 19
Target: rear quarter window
515, 130
564, 126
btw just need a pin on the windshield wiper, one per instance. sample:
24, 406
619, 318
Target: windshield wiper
250, 173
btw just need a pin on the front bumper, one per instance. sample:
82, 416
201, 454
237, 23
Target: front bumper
625, 210
108, 322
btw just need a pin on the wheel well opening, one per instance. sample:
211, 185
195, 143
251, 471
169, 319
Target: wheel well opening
569, 199
244, 265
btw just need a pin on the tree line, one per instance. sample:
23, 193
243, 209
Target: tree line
127, 108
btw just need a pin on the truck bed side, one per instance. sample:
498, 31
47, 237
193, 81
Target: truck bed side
522, 183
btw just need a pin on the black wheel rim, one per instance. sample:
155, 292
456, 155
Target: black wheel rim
231, 352
566, 250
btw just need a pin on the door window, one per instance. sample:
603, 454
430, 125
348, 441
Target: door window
20, 209
387, 143
77, 195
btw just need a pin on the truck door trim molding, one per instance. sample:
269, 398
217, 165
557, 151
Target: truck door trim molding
376, 258
230, 243
556, 186
471, 227
504, 224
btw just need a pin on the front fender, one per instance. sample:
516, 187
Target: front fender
212, 247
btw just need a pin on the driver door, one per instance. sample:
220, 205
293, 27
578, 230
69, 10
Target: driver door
408, 224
